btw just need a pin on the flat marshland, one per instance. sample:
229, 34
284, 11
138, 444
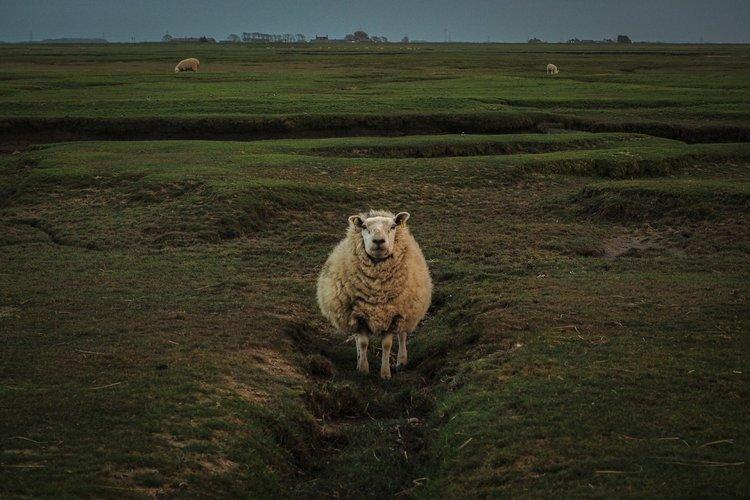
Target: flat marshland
587, 235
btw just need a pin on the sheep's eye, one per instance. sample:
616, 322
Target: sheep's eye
393, 226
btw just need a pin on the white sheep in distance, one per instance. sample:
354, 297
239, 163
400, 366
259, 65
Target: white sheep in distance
376, 282
552, 69
189, 64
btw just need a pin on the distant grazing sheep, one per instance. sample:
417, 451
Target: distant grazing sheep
190, 64
552, 69
376, 282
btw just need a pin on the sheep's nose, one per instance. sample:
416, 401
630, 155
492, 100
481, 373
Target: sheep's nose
378, 241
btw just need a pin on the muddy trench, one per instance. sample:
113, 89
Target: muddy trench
371, 434
19, 132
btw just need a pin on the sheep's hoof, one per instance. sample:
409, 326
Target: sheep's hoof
399, 368
385, 375
364, 370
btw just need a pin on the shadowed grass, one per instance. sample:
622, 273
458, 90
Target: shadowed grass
643, 199
472, 145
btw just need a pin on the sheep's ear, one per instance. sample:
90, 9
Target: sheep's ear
401, 218
356, 221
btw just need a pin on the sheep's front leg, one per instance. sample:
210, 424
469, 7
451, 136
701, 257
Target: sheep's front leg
402, 357
362, 341
385, 363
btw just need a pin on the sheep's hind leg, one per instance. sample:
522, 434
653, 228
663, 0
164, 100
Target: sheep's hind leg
362, 341
396, 328
402, 358
385, 363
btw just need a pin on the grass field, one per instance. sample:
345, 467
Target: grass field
589, 329
673, 90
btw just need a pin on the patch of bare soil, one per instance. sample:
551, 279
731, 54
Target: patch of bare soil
133, 479
633, 243
219, 465
12, 147
249, 393
270, 370
8, 311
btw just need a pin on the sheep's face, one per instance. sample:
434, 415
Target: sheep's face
378, 233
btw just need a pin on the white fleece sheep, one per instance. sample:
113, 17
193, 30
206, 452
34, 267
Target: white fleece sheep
552, 69
190, 64
376, 282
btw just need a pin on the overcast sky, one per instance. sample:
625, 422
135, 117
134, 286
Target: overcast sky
464, 20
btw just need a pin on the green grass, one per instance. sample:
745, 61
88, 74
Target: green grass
586, 233
158, 319
681, 91
644, 199
465, 145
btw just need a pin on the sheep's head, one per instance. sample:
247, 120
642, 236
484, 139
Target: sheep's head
177, 69
378, 231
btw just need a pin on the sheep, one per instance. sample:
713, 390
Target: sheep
552, 69
190, 64
376, 282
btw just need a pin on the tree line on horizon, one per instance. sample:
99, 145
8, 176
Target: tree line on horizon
355, 37
256, 37
620, 39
